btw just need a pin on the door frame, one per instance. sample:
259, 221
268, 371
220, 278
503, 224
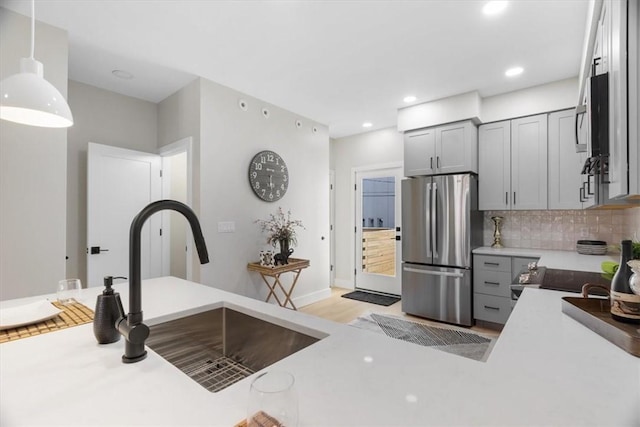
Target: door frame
184, 145
332, 227
352, 207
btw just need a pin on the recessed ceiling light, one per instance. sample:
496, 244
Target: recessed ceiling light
409, 99
121, 74
511, 72
494, 7
367, 125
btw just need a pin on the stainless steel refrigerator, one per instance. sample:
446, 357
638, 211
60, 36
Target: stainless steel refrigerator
441, 225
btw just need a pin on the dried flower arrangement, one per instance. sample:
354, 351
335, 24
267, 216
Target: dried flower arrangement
280, 227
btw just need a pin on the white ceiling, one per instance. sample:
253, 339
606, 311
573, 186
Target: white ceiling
340, 63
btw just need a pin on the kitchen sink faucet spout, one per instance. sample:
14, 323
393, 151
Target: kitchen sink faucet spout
130, 326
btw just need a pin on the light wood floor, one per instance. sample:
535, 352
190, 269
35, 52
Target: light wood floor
344, 310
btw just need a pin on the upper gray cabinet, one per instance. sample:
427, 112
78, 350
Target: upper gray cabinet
568, 188
494, 164
441, 150
513, 164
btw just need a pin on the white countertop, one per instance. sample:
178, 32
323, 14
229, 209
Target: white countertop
545, 369
563, 260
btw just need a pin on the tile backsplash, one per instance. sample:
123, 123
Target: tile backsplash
561, 229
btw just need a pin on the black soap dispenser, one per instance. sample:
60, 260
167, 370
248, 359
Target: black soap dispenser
107, 313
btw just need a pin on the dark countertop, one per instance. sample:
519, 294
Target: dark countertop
567, 280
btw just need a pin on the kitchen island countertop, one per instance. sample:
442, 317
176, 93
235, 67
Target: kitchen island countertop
545, 369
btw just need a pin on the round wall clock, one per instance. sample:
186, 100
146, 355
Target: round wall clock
268, 176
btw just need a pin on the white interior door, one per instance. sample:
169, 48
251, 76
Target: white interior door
378, 218
120, 183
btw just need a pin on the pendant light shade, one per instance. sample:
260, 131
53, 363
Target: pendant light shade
27, 98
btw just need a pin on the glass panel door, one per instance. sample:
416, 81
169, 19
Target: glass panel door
377, 225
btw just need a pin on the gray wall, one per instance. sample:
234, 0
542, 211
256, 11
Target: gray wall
105, 118
230, 138
366, 149
33, 165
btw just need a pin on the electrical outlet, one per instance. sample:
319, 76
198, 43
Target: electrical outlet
226, 227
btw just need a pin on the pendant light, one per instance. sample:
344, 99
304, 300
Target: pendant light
29, 99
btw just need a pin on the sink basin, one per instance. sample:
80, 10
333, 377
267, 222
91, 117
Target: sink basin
222, 346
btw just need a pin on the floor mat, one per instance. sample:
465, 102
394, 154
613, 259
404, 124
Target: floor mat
451, 340
372, 298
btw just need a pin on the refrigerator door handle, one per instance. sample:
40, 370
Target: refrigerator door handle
434, 220
433, 273
429, 214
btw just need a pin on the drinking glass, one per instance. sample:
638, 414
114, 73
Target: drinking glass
69, 291
273, 400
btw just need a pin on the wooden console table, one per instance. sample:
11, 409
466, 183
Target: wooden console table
295, 266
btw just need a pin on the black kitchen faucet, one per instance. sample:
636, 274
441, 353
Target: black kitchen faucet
130, 326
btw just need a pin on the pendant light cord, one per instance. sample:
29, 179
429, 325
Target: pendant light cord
33, 28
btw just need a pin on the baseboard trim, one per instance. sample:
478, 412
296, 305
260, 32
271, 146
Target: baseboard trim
343, 283
312, 297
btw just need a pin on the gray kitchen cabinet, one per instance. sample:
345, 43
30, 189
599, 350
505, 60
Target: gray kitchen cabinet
494, 165
492, 278
513, 164
568, 189
419, 150
491, 309
529, 163
442, 149
614, 40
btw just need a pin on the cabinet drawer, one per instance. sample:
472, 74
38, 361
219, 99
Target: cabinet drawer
496, 283
491, 308
492, 263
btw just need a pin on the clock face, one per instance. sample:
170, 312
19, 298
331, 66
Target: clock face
268, 176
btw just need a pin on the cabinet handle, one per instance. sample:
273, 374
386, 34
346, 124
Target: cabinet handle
506, 198
430, 162
491, 283
589, 192
582, 198
488, 307
438, 162
492, 263
514, 198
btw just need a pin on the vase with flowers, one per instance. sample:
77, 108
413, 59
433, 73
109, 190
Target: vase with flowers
281, 229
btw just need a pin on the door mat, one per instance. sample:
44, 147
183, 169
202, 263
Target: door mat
72, 315
372, 298
454, 341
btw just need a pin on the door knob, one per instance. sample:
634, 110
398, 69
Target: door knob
96, 250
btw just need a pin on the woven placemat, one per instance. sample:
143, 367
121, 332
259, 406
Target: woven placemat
73, 314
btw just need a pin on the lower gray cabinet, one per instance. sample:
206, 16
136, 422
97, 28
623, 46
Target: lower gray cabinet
492, 278
491, 308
